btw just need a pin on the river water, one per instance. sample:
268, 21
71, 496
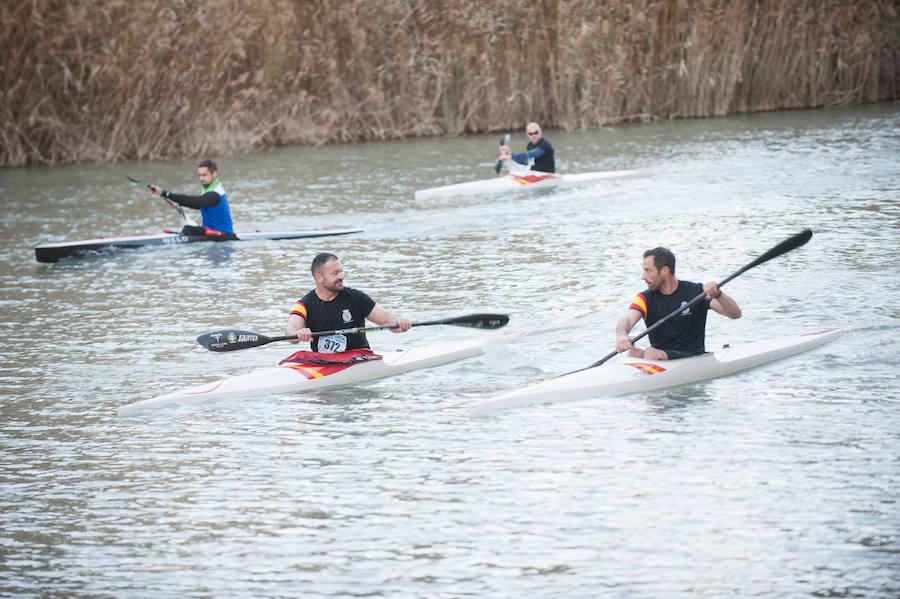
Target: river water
782, 481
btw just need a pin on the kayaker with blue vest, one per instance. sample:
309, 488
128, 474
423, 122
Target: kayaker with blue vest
212, 203
538, 153
683, 335
331, 306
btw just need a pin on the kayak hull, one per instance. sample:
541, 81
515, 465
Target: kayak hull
622, 375
284, 379
522, 181
54, 252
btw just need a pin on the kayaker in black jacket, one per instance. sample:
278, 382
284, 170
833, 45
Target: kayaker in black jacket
538, 153
212, 204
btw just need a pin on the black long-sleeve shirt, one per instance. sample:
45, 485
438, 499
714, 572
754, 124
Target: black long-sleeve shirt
210, 198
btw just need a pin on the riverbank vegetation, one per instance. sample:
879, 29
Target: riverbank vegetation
105, 80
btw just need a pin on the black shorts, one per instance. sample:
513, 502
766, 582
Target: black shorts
675, 354
195, 231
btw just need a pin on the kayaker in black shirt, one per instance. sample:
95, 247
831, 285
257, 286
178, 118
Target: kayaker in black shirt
332, 306
538, 153
683, 335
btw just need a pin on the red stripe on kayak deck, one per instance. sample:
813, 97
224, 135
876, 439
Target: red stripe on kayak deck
526, 179
213, 388
647, 368
315, 365
316, 371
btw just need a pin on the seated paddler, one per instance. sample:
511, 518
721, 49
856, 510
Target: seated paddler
212, 204
332, 306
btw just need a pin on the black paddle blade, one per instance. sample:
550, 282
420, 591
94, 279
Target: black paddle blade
231, 340
479, 321
791, 243
137, 182
499, 165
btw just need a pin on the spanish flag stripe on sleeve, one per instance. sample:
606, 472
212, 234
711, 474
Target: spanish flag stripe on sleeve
299, 309
639, 303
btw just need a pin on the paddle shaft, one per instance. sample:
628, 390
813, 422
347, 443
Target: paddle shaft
349, 331
245, 339
785, 246
184, 218
499, 165
466, 321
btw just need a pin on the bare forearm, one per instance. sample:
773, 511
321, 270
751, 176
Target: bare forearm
726, 306
623, 327
294, 326
382, 317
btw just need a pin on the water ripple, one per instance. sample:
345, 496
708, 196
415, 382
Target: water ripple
777, 482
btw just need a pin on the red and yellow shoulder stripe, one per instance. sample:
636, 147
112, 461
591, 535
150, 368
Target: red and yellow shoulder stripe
299, 309
639, 303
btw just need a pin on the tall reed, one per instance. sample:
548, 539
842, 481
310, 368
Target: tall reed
105, 80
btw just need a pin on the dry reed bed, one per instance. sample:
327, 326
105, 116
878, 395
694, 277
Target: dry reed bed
104, 80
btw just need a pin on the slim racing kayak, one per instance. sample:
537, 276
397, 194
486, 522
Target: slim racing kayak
294, 378
623, 375
56, 251
522, 180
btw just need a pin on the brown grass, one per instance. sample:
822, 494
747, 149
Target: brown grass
105, 80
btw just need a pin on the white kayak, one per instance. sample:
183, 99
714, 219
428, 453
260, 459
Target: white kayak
622, 375
522, 180
283, 379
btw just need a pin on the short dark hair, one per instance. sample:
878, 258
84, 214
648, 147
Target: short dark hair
662, 257
208, 164
319, 261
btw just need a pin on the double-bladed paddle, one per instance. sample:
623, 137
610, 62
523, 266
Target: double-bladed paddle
185, 219
499, 165
231, 340
791, 243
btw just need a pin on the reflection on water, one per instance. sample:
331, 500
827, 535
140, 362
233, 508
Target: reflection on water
776, 482
219, 253
679, 398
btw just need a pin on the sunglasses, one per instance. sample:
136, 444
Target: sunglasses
532, 132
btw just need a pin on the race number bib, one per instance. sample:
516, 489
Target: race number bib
332, 344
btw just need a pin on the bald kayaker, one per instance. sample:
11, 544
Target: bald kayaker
683, 335
332, 306
538, 153
212, 203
